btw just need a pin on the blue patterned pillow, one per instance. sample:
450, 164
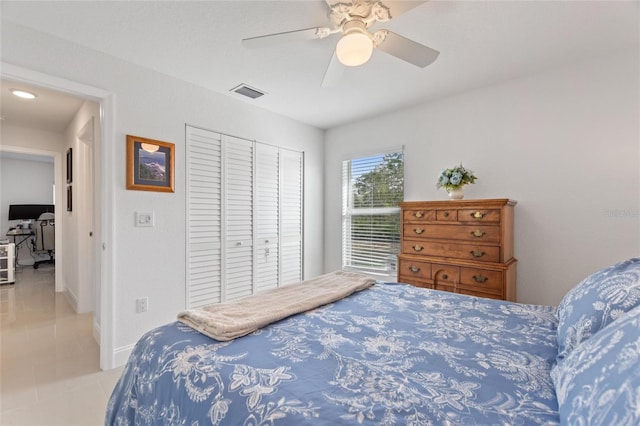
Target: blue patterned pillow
598, 300
599, 382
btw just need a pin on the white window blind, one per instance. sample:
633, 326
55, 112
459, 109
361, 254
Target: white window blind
372, 187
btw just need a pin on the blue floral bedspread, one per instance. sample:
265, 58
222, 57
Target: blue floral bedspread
393, 354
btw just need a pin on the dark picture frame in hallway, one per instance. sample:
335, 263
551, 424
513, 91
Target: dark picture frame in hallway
70, 165
69, 198
150, 164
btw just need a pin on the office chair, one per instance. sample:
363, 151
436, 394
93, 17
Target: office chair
45, 240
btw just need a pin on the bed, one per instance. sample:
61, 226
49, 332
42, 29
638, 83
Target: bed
398, 354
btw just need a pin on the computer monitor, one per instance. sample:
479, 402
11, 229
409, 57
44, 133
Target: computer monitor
29, 211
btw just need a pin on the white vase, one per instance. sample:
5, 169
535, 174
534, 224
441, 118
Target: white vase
456, 193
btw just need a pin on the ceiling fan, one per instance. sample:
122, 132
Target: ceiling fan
353, 19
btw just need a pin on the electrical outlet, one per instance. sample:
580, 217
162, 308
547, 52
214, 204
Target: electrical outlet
144, 218
142, 305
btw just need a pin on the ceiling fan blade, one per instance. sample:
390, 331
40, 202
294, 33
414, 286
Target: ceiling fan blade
333, 73
397, 8
407, 50
280, 38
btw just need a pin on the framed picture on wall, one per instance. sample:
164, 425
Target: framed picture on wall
150, 164
69, 198
69, 165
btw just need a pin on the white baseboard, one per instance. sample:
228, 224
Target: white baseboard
73, 300
121, 355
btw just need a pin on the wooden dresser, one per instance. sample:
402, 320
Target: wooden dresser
463, 246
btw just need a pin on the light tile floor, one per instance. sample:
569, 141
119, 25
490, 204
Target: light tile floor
49, 360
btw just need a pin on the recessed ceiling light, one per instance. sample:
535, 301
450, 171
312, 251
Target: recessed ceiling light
23, 94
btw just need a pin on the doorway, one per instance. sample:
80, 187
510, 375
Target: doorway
96, 229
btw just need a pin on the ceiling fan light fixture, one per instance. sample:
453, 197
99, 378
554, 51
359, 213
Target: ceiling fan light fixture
354, 49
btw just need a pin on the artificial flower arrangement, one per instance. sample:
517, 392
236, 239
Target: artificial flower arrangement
455, 177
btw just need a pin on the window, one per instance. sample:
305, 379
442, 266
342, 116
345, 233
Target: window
372, 187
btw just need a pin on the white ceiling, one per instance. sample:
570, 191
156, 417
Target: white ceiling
481, 43
50, 110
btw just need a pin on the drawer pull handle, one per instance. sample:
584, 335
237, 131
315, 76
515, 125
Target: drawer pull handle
477, 215
414, 269
446, 214
445, 276
480, 278
418, 230
478, 233
418, 214
477, 253
418, 247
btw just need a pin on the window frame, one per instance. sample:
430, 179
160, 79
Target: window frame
349, 211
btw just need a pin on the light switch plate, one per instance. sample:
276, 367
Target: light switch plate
144, 218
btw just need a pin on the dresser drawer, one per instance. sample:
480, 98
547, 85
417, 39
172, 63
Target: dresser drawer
479, 215
412, 269
481, 279
445, 274
445, 277
413, 230
453, 232
447, 215
419, 215
452, 250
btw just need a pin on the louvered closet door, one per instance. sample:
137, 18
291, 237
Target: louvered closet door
267, 206
204, 212
238, 230
291, 211
244, 217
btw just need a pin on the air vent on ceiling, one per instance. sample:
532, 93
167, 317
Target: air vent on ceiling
247, 91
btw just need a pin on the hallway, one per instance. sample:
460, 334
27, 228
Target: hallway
49, 360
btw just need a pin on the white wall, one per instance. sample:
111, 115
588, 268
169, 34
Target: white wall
151, 261
26, 181
563, 143
29, 138
77, 244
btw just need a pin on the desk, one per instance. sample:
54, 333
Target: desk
20, 236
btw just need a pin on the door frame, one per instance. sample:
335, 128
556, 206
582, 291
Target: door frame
104, 189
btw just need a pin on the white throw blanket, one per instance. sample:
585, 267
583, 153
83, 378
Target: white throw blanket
229, 320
